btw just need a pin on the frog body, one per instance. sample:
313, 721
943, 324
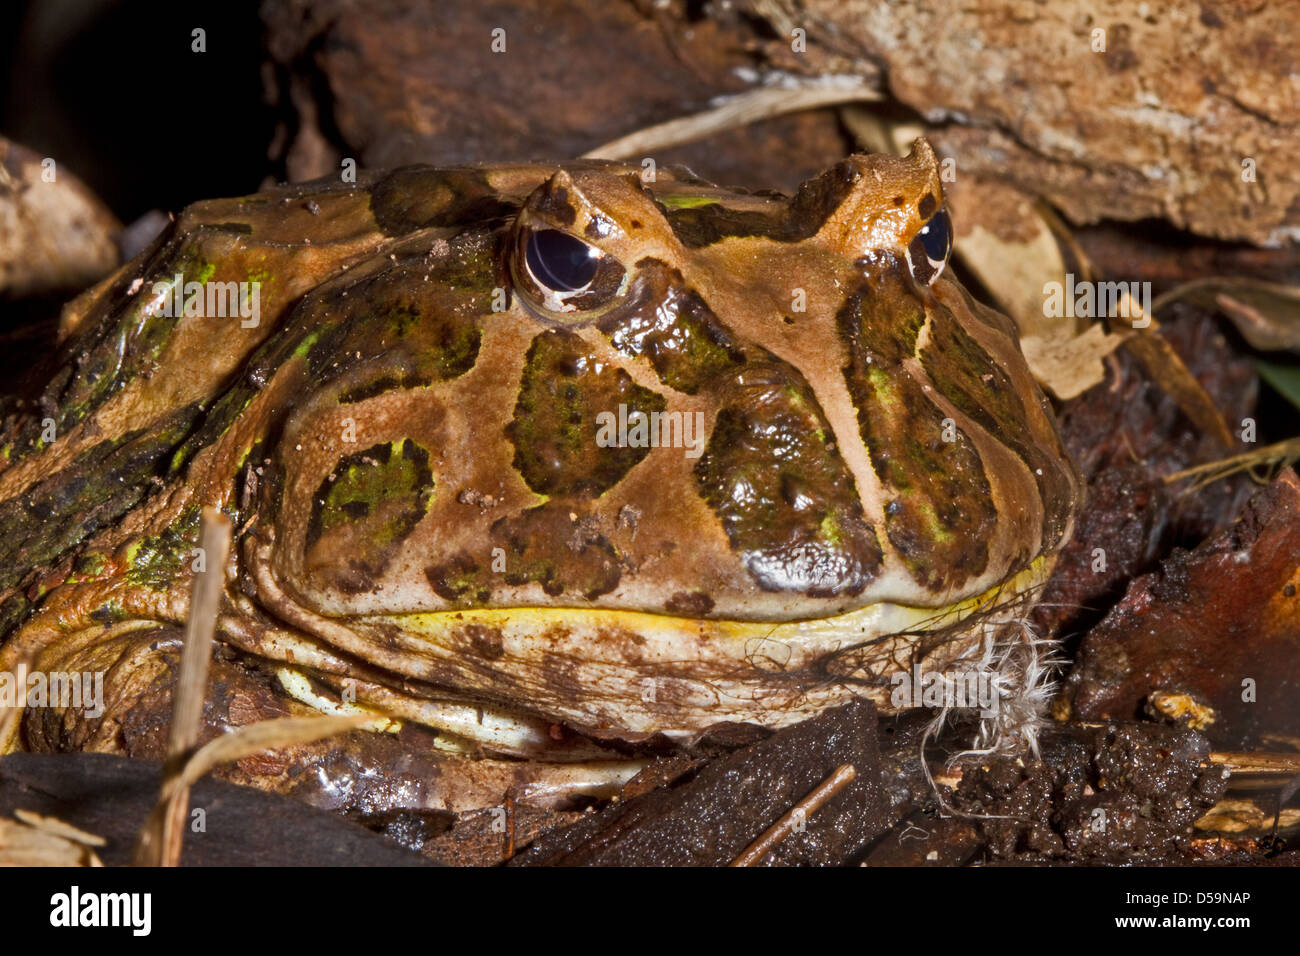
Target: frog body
547, 442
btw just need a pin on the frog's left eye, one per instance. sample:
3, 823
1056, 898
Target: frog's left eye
559, 274
560, 262
929, 250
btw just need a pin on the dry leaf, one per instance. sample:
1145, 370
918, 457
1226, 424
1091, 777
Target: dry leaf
1069, 366
1242, 816
1267, 314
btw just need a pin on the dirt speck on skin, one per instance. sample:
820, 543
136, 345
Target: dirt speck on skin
1118, 793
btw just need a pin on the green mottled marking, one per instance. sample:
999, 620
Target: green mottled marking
102, 484
365, 509
555, 426
785, 497
87, 567
674, 328
412, 331
400, 324
461, 580
940, 515
155, 562
969, 378
103, 359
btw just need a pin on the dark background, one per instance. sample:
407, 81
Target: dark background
111, 89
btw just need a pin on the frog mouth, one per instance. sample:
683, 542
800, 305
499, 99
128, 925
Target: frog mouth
633, 674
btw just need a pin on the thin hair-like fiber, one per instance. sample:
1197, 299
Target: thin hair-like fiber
1019, 664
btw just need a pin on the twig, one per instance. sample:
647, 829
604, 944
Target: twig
1270, 763
252, 739
163, 846
739, 110
1272, 457
800, 811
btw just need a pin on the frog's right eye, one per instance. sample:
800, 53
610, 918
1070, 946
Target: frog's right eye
562, 277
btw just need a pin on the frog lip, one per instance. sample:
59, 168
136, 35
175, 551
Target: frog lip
636, 672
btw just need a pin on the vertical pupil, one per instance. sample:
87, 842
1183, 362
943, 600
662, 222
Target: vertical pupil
559, 261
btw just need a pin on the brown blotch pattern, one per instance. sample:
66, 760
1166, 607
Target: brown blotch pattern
547, 546
554, 204
418, 197
801, 218
460, 579
689, 604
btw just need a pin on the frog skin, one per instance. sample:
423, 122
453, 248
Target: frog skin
427, 526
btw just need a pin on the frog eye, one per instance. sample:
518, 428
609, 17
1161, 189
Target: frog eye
559, 262
559, 274
928, 252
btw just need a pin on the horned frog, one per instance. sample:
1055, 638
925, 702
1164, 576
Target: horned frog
541, 458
